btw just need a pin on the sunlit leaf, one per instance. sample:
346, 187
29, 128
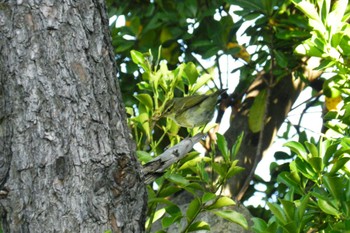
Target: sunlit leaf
158, 214
199, 226
233, 216
326, 207
221, 202
145, 99
297, 148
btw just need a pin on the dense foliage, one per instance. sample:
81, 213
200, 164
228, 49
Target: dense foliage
313, 185
317, 198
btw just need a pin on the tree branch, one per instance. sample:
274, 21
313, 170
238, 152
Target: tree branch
157, 166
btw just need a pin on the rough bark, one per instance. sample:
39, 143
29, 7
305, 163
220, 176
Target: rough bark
67, 162
281, 98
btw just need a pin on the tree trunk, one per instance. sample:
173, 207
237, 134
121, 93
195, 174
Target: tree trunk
281, 99
67, 161
254, 145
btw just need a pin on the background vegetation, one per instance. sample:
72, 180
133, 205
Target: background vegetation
309, 190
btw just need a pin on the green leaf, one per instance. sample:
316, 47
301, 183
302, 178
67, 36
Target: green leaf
312, 149
177, 179
329, 152
289, 209
145, 99
173, 210
280, 155
302, 206
158, 214
287, 179
221, 202
143, 120
168, 190
339, 164
278, 213
159, 200
257, 112
191, 73
199, 226
201, 81
169, 220
234, 169
137, 57
202, 172
218, 168
281, 59
160, 231
326, 207
335, 186
144, 156
297, 148
192, 164
308, 8
208, 197
130, 111
194, 188
291, 226
259, 225
142, 59
125, 46
193, 209
236, 146
335, 18
305, 169
316, 164
222, 145
233, 216
309, 48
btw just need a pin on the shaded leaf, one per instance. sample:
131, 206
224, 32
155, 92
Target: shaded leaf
193, 209
257, 112
222, 145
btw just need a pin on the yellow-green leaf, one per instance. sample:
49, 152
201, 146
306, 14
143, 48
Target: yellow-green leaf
233, 216
221, 202
257, 112
145, 99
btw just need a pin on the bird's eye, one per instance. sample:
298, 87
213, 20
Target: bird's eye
168, 107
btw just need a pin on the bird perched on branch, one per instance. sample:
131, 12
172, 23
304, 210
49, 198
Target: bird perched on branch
192, 111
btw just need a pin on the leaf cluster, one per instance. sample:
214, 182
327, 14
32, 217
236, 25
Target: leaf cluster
202, 177
317, 197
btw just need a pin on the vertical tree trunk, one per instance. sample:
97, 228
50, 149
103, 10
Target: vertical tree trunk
280, 101
67, 162
282, 97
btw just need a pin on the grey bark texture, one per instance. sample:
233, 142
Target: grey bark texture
67, 162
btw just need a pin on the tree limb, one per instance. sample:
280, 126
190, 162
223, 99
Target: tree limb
157, 166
